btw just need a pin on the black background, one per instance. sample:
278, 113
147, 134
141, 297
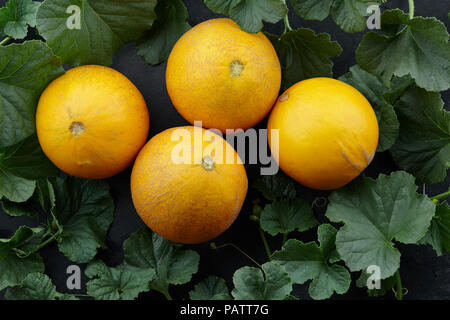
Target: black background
424, 275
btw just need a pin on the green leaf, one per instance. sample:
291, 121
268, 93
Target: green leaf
66, 297
17, 257
105, 26
18, 165
308, 261
44, 194
286, 216
270, 283
374, 90
250, 14
18, 209
36, 286
121, 283
14, 188
351, 15
25, 70
27, 160
348, 14
420, 49
304, 54
16, 16
211, 288
423, 147
312, 9
155, 45
376, 213
275, 187
85, 210
438, 235
173, 265
398, 86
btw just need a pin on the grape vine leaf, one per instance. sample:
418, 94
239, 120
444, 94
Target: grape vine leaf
438, 235
18, 257
172, 264
211, 288
275, 187
155, 45
375, 213
16, 16
349, 15
304, 54
269, 283
104, 27
374, 90
35, 286
421, 49
25, 70
286, 216
250, 14
308, 261
423, 146
84, 209
121, 283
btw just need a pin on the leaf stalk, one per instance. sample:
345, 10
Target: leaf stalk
167, 295
441, 196
287, 25
399, 291
238, 249
284, 238
266, 244
411, 9
5, 41
49, 240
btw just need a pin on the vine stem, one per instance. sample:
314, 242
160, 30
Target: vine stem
441, 196
238, 249
287, 25
266, 245
411, 9
164, 292
167, 295
284, 238
399, 291
5, 41
48, 241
